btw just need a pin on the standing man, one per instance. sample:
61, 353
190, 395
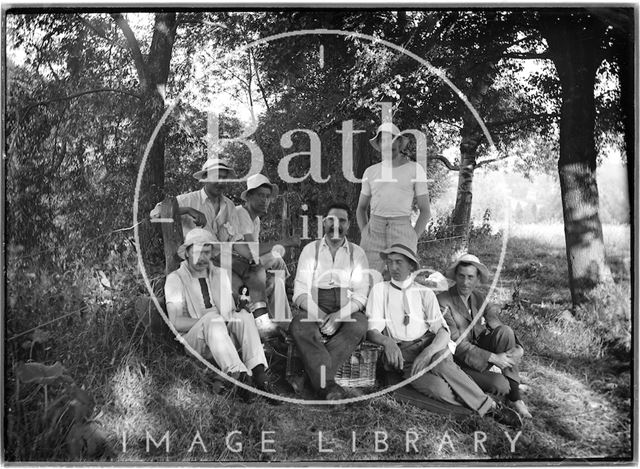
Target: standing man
208, 208
331, 290
489, 342
258, 196
405, 319
200, 306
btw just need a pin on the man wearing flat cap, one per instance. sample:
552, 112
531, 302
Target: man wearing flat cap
405, 319
201, 308
489, 343
210, 209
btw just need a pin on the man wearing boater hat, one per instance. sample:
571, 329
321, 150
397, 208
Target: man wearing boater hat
405, 319
201, 307
490, 342
208, 208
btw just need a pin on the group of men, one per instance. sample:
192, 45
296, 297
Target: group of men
338, 302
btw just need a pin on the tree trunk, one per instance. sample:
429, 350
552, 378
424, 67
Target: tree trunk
461, 217
153, 74
574, 45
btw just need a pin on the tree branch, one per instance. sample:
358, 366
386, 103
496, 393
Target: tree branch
445, 161
486, 162
526, 55
101, 34
515, 120
77, 95
134, 47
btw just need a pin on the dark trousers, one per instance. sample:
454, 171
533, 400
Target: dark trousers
507, 383
317, 351
445, 381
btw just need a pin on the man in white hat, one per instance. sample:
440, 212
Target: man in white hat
490, 343
210, 209
201, 307
258, 196
405, 319
386, 197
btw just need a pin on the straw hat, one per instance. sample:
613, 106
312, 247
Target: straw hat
395, 133
210, 168
401, 249
195, 236
257, 180
483, 272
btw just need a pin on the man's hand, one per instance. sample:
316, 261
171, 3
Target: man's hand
393, 355
199, 218
515, 354
502, 360
331, 323
422, 361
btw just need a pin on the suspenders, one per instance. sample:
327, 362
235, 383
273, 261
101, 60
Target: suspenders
315, 265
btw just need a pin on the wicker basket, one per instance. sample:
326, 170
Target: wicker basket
358, 371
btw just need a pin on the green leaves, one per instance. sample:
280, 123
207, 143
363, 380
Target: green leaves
41, 374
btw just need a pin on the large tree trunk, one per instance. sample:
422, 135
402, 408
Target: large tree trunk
153, 74
461, 217
574, 44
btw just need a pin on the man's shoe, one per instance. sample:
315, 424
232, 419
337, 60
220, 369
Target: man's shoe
335, 392
266, 327
266, 386
506, 416
521, 408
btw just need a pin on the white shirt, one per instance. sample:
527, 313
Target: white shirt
246, 225
332, 273
385, 310
222, 223
392, 190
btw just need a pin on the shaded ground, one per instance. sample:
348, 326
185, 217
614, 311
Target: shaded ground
578, 391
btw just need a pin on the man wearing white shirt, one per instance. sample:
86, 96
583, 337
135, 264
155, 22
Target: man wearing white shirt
201, 308
404, 317
331, 289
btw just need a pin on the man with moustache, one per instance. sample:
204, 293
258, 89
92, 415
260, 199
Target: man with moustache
201, 308
331, 288
490, 343
208, 208
405, 319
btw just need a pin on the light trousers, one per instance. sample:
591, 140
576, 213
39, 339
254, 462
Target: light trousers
212, 337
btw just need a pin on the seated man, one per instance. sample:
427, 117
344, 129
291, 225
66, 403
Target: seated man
210, 209
331, 288
489, 342
201, 307
416, 334
258, 196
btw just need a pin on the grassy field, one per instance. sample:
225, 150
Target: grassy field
577, 374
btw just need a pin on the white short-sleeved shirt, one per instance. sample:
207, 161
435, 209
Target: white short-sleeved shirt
246, 225
392, 190
385, 311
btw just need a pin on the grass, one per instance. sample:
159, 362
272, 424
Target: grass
578, 382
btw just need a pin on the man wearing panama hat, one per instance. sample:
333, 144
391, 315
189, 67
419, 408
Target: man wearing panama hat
405, 319
490, 344
386, 197
211, 210
201, 308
